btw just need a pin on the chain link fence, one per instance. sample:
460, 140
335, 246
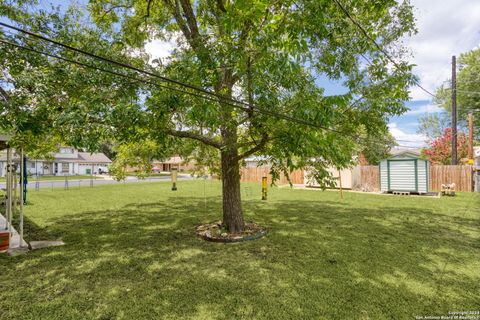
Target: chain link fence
70, 182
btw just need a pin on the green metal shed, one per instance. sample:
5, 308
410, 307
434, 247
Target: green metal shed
405, 172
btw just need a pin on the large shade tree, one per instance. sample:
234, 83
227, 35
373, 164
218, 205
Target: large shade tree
269, 54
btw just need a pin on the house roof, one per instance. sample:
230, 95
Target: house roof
83, 157
93, 157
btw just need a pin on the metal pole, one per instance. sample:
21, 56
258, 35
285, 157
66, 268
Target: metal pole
37, 183
22, 196
14, 185
91, 177
454, 110
9, 190
25, 177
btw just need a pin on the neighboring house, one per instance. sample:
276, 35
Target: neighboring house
167, 165
173, 162
66, 162
256, 162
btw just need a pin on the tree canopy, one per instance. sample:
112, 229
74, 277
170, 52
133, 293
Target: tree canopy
267, 54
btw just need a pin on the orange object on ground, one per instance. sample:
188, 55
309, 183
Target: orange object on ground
4, 241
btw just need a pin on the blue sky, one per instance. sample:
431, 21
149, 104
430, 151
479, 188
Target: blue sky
445, 28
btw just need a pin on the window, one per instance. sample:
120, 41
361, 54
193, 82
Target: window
65, 167
32, 165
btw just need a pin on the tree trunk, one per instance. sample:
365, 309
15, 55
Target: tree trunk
232, 203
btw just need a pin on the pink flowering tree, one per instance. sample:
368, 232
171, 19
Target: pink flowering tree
440, 149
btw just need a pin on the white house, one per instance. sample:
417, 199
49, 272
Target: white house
256, 162
66, 162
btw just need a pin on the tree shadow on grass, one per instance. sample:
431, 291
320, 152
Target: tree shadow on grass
321, 259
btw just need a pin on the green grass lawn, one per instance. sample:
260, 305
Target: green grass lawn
131, 253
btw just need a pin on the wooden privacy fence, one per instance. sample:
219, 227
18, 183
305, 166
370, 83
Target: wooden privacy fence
256, 174
368, 179
460, 175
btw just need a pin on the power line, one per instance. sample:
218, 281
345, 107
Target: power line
103, 70
211, 95
123, 65
387, 55
247, 109
464, 91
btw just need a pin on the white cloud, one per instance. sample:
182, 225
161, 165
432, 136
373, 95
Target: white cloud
159, 49
428, 108
445, 28
406, 139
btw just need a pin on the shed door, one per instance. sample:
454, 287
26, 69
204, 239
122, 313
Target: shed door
402, 175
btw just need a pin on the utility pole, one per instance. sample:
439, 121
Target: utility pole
470, 136
470, 147
454, 110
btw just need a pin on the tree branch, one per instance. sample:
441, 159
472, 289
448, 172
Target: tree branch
191, 19
112, 8
220, 6
175, 10
195, 136
258, 147
148, 8
4, 94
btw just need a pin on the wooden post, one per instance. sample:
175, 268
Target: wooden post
174, 179
470, 148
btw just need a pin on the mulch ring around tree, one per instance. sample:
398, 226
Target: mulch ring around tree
216, 232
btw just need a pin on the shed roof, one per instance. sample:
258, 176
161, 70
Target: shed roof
414, 154
398, 151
